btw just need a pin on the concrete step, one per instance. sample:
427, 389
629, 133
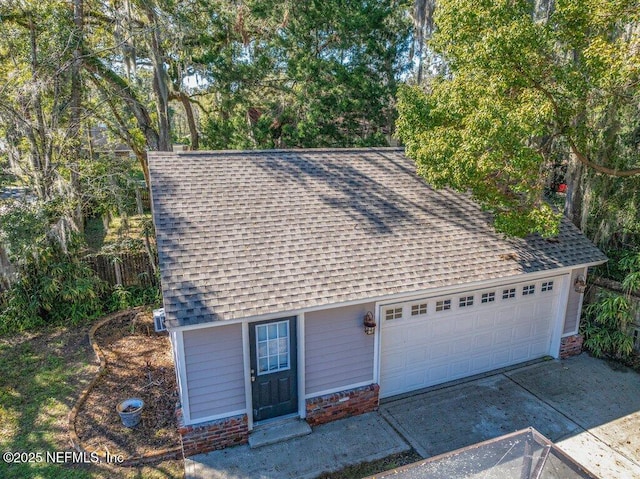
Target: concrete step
273, 433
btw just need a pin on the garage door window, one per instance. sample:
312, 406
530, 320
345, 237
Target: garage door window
443, 305
488, 297
465, 301
547, 286
418, 309
393, 313
508, 293
528, 290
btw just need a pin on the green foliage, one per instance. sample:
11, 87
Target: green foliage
617, 266
52, 288
516, 87
317, 73
606, 326
631, 263
109, 185
607, 320
131, 296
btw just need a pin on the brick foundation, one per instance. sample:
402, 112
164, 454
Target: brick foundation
571, 346
332, 407
212, 435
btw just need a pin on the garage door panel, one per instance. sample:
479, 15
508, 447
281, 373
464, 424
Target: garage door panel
414, 380
520, 354
483, 341
544, 309
482, 363
396, 361
460, 368
441, 328
501, 357
461, 349
440, 346
486, 321
438, 374
522, 331
396, 337
539, 348
417, 355
502, 337
438, 351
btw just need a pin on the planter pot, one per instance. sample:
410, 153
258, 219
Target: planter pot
130, 411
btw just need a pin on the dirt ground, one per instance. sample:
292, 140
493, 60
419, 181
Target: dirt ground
138, 364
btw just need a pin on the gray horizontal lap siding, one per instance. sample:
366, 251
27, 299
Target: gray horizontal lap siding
574, 301
214, 370
337, 351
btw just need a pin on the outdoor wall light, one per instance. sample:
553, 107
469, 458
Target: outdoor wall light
369, 323
580, 284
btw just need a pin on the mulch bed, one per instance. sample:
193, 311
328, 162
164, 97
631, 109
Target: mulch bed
139, 364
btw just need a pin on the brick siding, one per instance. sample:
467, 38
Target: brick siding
331, 407
571, 346
212, 435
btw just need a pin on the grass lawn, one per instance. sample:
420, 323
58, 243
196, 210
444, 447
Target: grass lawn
41, 377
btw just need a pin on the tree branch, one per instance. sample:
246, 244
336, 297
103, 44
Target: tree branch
574, 149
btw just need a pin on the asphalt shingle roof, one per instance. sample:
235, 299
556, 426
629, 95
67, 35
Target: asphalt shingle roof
243, 234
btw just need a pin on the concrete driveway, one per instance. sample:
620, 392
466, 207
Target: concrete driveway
588, 407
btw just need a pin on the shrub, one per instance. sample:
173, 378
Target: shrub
606, 326
123, 297
607, 321
52, 288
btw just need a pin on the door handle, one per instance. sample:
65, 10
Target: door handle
253, 378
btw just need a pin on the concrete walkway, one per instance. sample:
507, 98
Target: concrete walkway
328, 448
590, 408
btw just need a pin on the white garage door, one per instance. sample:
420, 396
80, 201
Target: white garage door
431, 341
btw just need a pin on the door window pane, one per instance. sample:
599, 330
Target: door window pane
263, 365
273, 331
262, 333
272, 347
282, 330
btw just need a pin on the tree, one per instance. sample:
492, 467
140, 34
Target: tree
520, 85
307, 74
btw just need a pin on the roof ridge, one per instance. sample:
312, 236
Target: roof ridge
274, 151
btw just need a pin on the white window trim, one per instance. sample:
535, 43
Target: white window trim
563, 298
182, 378
246, 355
302, 404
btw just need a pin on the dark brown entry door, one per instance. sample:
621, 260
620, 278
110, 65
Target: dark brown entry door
273, 368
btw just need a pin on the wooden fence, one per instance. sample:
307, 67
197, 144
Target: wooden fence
126, 269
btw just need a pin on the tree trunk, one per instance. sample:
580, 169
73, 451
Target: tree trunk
76, 111
573, 200
160, 83
124, 91
193, 129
